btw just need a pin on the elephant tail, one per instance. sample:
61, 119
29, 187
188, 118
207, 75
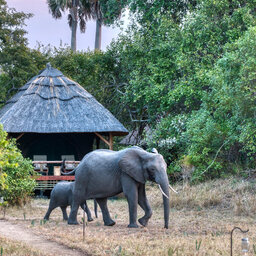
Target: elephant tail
62, 169
95, 208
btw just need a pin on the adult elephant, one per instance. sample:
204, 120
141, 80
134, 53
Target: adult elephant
105, 173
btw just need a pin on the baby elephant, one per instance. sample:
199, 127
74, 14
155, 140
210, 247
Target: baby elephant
61, 196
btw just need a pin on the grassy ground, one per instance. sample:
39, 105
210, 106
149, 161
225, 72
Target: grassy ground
9, 247
201, 219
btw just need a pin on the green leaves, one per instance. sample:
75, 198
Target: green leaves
186, 71
200, 69
18, 63
16, 183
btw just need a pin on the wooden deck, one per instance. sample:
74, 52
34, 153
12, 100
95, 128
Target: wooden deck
47, 182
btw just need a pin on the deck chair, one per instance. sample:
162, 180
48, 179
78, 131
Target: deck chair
68, 167
41, 168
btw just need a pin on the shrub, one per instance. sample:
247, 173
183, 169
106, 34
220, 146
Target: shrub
16, 184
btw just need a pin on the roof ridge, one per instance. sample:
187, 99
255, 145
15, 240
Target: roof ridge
55, 97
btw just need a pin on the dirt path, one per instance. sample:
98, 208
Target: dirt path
19, 233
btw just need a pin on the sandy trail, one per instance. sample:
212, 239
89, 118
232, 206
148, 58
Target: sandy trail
15, 232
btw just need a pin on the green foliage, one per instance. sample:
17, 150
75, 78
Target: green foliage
16, 184
146, 10
185, 70
193, 82
18, 63
228, 111
111, 10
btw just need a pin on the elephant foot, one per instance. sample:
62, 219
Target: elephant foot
109, 223
143, 221
70, 222
90, 219
133, 226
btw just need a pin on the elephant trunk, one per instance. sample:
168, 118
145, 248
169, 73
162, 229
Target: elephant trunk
164, 187
166, 205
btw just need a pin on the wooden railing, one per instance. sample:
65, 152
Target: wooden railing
49, 181
55, 162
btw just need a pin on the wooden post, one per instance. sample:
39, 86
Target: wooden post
19, 136
110, 142
84, 223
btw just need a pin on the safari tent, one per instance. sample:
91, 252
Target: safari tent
52, 118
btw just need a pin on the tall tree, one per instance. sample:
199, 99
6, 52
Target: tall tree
77, 13
105, 12
18, 63
99, 19
164, 76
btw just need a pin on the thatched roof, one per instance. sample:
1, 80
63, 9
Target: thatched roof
53, 103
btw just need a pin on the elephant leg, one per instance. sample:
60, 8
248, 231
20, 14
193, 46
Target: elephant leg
130, 189
144, 204
72, 220
64, 212
87, 210
95, 208
105, 213
50, 209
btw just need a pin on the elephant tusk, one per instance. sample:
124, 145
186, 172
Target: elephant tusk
173, 189
162, 191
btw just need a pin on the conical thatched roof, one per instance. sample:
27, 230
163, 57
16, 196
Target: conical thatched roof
53, 103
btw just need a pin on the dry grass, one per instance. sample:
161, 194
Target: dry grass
14, 248
201, 219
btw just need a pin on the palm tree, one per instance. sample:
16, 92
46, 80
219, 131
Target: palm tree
98, 34
97, 13
77, 12
82, 11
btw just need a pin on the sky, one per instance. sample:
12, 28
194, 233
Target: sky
43, 28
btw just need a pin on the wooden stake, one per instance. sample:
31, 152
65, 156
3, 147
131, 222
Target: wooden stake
84, 223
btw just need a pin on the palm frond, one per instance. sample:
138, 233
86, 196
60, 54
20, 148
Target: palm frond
82, 24
58, 6
54, 9
70, 20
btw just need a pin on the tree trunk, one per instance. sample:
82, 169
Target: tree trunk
73, 36
98, 35
73, 13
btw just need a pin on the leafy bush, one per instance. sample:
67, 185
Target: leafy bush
18, 63
194, 85
16, 184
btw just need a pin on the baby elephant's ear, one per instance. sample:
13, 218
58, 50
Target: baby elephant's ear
131, 164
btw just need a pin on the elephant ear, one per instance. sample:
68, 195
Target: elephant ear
131, 164
154, 150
